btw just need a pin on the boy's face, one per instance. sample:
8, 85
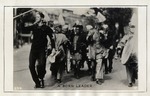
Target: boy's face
132, 27
38, 17
126, 30
64, 30
101, 37
57, 29
76, 30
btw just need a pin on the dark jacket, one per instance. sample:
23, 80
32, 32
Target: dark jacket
40, 36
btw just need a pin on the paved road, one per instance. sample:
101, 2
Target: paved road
22, 78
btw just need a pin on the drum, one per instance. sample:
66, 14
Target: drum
128, 48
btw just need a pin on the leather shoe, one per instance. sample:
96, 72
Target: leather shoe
130, 85
99, 82
42, 83
37, 86
59, 81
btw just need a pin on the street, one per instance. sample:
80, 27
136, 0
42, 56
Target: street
117, 80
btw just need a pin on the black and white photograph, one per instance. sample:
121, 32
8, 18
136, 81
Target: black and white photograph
75, 48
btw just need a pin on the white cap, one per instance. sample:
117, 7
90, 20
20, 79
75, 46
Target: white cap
65, 27
105, 26
101, 31
89, 27
55, 22
100, 17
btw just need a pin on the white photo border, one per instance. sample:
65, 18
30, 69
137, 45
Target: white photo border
8, 50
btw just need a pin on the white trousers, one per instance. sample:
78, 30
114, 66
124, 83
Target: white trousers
99, 69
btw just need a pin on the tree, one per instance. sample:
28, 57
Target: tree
120, 15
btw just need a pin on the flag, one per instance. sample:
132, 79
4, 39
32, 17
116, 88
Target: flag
61, 20
100, 17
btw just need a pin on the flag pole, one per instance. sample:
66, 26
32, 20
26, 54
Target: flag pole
23, 13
